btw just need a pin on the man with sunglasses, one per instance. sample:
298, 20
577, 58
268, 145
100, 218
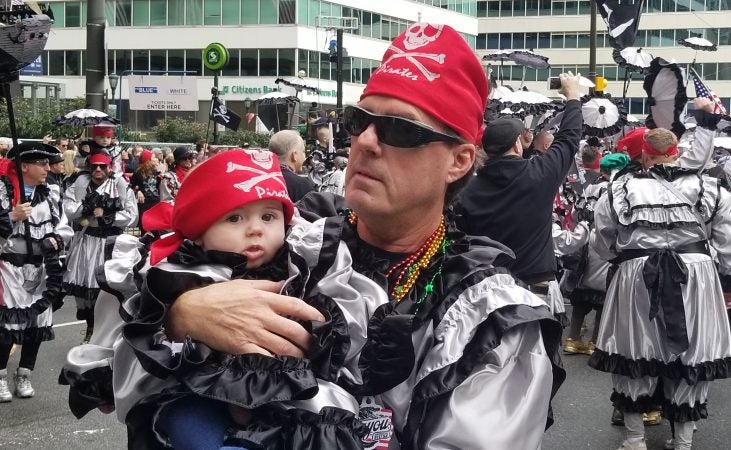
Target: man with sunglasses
461, 356
100, 204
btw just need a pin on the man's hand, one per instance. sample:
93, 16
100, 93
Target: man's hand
98, 213
703, 104
47, 139
20, 212
140, 197
570, 86
243, 316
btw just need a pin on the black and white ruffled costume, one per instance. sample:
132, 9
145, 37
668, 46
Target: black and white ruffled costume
429, 369
664, 334
31, 284
86, 250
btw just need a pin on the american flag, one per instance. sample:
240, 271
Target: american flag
701, 90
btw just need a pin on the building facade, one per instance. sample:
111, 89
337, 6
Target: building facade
266, 40
559, 30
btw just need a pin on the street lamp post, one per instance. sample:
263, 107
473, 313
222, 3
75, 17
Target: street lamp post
113, 82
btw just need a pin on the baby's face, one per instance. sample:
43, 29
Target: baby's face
103, 141
255, 230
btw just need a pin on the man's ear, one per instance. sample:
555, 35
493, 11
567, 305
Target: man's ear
462, 161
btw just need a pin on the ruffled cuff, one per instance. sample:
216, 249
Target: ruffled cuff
621, 365
670, 411
88, 390
24, 316
250, 380
301, 430
331, 338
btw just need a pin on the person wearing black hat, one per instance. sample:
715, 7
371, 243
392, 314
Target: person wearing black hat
30, 277
184, 160
55, 172
511, 198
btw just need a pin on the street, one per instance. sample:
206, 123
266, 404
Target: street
581, 408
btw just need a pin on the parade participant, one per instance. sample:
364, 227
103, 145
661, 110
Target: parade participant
102, 141
5, 145
676, 339
183, 158
542, 142
458, 330
99, 204
289, 147
145, 183
31, 277
631, 145
335, 180
589, 278
55, 174
243, 237
511, 199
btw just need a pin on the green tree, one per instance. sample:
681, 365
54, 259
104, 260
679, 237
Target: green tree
35, 121
179, 130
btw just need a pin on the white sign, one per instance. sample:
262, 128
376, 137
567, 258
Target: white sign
162, 93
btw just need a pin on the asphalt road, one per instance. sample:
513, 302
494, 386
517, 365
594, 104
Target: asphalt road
581, 408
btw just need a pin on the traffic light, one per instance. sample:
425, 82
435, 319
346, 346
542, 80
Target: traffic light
600, 83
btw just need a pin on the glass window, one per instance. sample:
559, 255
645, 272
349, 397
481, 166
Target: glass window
59, 19
572, 8
493, 40
313, 64
482, 8
194, 61
286, 62
557, 40
140, 13
176, 13
212, 12
158, 60
667, 38
140, 60
518, 8
544, 40
635, 105
505, 41
654, 38
482, 41
73, 14
531, 8
610, 72
268, 11
542, 74
122, 60
314, 11
584, 7
324, 67
710, 71
73, 62
158, 12
249, 11
668, 6
558, 8
506, 8
654, 5
232, 67
724, 71
684, 5
518, 41
123, 14
268, 62
493, 8
176, 60
194, 12
302, 60
531, 40
303, 8
376, 26
583, 40
287, 11
249, 63
55, 62
544, 8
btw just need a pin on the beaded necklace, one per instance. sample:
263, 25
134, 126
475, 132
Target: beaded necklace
405, 272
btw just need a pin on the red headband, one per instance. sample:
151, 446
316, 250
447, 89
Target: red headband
102, 131
241, 177
649, 150
633, 142
429, 66
99, 158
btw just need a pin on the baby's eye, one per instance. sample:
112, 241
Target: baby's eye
233, 218
268, 217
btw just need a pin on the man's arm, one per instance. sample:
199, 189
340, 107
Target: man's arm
242, 316
701, 150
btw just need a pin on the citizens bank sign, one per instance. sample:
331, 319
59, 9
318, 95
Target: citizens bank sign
162, 93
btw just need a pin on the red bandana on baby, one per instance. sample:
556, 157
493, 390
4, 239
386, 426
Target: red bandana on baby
218, 185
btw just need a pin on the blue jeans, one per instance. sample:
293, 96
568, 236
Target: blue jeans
196, 423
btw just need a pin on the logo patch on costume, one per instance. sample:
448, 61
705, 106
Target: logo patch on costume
378, 421
262, 158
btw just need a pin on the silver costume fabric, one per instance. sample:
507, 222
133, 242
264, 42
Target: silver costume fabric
86, 250
22, 286
502, 404
641, 213
169, 186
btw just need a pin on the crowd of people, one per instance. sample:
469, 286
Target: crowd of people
413, 298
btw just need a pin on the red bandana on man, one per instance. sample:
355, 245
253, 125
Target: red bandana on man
415, 69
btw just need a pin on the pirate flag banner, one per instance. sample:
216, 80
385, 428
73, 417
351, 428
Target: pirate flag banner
623, 19
224, 116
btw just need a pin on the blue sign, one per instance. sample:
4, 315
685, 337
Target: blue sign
146, 90
34, 68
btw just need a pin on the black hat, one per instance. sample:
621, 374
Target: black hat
55, 158
182, 153
500, 135
32, 151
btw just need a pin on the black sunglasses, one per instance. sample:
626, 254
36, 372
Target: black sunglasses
392, 130
93, 167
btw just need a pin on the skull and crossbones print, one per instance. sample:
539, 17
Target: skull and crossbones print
418, 35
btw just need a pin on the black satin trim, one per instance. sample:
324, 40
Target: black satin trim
620, 365
100, 272
250, 380
660, 226
34, 334
331, 339
76, 290
644, 404
587, 296
24, 316
88, 390
295, 429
